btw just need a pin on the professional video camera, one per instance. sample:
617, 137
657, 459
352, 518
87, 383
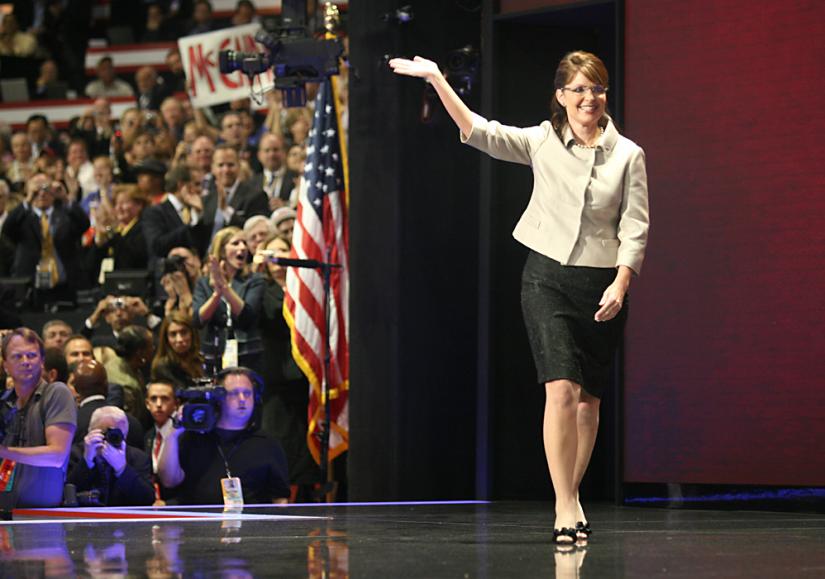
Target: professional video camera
201, 405
294, 57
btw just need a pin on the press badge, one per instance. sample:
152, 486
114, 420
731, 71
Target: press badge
7, 468
230, 354
232, 492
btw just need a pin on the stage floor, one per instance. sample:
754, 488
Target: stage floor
507, 539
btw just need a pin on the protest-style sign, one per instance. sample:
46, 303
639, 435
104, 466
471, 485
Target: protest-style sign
205, 83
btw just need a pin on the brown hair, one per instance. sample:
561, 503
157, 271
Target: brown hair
592, 67
28, 335
192, 362
132, 192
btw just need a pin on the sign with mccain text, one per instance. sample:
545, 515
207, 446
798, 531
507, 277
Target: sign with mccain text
205, 83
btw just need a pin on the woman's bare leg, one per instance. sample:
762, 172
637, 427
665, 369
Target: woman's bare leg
561, 446
587, 423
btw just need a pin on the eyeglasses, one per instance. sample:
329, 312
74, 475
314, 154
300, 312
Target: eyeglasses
595, 90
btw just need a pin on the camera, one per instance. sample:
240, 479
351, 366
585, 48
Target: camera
201, 405
172, 264
294, 58
119, 303
114, 437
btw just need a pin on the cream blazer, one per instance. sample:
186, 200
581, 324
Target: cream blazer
588, 206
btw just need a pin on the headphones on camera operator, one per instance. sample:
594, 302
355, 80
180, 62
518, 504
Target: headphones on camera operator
202, 401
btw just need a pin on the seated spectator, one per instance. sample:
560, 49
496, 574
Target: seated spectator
162, 404
55, 334
156, 28
89, 380
46, 229
195, 463
244, 13
129, 368
39, 440
227, 302
178, 221
118, 312
47, 81
107, 84
150, 93
13, 42
201, 18
174, 78
178, 358
122, 240
283, 220
120, 472
21, 167
180, 272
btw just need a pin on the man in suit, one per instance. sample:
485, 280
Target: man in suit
58, 252
88, 378
120, 472
150, 93
275, 179
182, 220
235, 200
162, 404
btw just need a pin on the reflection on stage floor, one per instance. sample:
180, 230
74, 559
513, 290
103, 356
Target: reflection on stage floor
468, 539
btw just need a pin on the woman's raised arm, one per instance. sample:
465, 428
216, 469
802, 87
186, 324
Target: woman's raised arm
429, 71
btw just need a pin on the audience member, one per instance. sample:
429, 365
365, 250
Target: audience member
150, 93
156, 28
89, 380
277, 181
104, 462
283, 220
46, 229
41, 137
179, 221
118, 312
77, 349
162, 404
130, 367
180, 272
174, 78
55, 334
257, 229
55, 368
39, 438
100, 199
13, 42
171, 113
237, 200
107, 84
178, 358
194, 463
149, 174
286, 392
48, 81
227, 303
21, 167
79, 168
201, 18
244, 13
121, 239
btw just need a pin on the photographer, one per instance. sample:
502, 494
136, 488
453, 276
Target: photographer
196, 463
38, 427
179, 273
46, 229
103, 464
118, 312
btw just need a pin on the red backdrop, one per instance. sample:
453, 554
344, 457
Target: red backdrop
725, 361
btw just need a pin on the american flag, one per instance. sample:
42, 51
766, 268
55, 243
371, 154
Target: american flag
322, 233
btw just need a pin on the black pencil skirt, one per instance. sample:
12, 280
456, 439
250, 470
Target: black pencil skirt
559, 303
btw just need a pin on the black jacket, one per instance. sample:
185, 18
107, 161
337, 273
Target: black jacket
132, 488
164, 230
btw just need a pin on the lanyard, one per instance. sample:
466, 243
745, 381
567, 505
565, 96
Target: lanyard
225, 457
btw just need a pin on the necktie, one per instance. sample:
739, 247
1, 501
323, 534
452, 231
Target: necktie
186, 215
48, 263
270, 183
158, 442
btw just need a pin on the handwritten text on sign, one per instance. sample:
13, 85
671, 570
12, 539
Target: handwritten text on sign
205, 83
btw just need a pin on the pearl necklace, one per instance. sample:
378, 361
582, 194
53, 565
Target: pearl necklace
580, 146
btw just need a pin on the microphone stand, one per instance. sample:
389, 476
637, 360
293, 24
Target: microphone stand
326, 268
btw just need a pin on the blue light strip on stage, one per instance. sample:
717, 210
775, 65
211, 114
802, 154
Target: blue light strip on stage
771, 495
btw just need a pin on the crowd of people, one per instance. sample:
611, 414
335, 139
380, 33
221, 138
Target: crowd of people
198, 200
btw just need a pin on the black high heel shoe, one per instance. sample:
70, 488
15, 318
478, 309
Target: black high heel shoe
583, 529
565, 532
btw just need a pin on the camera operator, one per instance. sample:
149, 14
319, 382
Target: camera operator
196, 464
119, 473
38, 436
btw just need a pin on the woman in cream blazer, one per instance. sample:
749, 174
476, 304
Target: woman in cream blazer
586, 225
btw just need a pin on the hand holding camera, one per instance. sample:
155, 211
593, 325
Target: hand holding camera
108, 445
